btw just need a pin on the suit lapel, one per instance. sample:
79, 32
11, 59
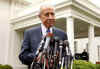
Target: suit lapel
39, 33
54, 31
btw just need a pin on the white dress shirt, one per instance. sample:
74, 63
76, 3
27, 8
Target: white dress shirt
44, 30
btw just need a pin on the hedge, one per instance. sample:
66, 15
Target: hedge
81, 64
77, 64
5, 66
97, 66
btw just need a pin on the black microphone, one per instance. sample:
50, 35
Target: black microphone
68, 53
56, 44
66, 45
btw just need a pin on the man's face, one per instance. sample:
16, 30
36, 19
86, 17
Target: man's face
47, 17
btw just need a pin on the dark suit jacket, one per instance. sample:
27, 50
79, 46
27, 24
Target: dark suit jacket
32, 38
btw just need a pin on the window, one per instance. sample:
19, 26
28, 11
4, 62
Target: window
75, 46
98, 52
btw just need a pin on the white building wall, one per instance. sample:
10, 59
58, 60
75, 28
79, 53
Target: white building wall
81, 44
4, 30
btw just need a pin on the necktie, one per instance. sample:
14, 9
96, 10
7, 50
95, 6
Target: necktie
48, 31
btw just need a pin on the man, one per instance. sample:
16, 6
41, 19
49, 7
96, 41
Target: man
33, 36
85, 55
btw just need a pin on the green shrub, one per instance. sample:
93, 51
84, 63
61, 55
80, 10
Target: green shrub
5, 67
81, 64
1, 66
97, 66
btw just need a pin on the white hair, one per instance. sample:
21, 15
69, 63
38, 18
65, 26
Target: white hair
45, 5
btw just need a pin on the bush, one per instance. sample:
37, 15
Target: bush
5, 67
81, 64
97, 66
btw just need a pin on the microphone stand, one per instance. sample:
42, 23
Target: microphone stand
69, 61
48, 38
68, 58
55, 52
60, 57
62, 64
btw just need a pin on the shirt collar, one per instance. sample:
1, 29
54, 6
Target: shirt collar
44, 29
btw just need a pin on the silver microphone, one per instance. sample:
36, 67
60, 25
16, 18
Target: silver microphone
47, 42
40, 45
48, 38
60, 46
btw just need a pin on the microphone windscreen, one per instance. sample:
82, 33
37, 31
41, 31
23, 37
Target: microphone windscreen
56, 38
66, 42
61, 42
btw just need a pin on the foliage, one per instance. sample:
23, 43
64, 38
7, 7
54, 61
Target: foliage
97, 66
81, 64
5, 66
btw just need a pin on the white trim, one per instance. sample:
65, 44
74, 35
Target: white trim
66, 7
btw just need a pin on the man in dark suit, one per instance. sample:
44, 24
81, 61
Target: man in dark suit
33, 36
85, 55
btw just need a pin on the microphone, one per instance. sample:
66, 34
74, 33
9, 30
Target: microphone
48, 38
66, 45
41, 45
56, 39
60, 46
56, 44
69, 55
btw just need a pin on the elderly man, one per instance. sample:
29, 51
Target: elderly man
33, 36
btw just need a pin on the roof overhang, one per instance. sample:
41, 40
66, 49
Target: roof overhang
81, 10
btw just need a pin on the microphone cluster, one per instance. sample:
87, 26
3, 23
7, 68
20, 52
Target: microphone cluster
54, 54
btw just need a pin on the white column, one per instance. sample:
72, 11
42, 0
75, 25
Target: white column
70, 32
14, 50
91, 43
4, 30
75, 47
